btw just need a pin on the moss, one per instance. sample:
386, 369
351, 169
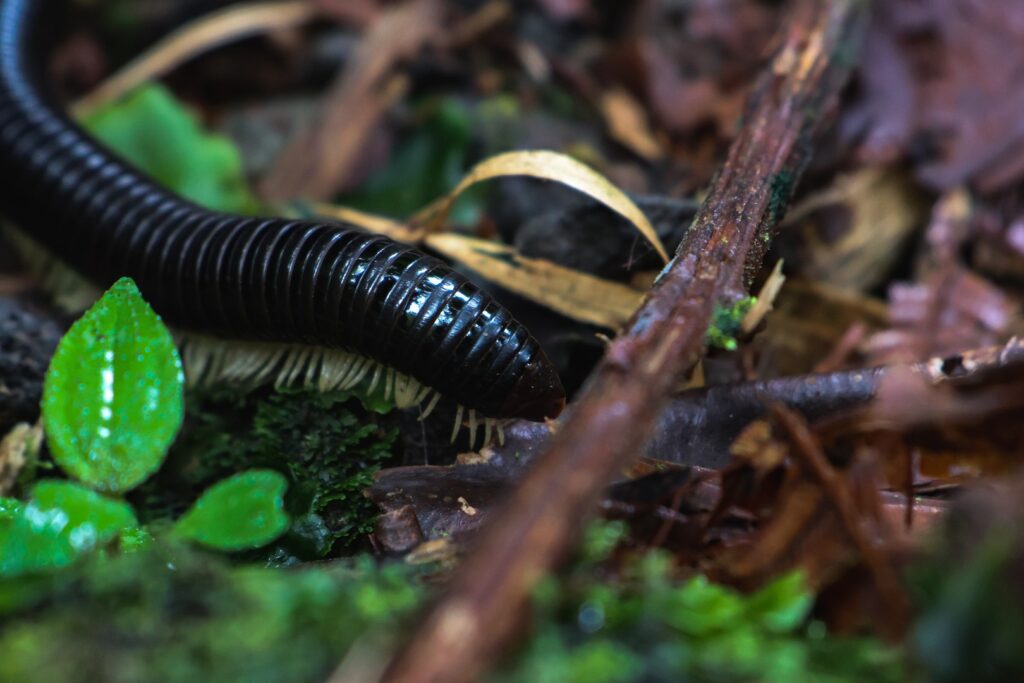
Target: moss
325, 444
648, 626
726, 321
171, 614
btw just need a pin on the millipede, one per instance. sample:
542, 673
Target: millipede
317, 304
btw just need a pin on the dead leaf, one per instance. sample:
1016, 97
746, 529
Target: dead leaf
765, 299
20, 445
882, 209
574, 294
549, 166
627, 124
194, 38
319, 160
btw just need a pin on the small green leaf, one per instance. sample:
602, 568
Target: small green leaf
113, 397
782, 605
155, 132
9, 507
135, 539
61, 521
92, 518
240, 512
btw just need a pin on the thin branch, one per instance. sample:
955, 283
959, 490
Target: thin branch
478, 616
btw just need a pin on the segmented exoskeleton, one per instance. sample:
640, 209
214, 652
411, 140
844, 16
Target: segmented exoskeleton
317, 302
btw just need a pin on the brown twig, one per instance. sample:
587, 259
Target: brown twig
467, 630
887, 582
318, 161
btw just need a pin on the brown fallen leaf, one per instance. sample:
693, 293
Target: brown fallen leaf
320, 160
809, 320
854, 232
194, 38
627, 124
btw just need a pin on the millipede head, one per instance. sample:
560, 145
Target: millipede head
538, 394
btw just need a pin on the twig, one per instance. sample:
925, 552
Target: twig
894, 597
319, 160
468, 629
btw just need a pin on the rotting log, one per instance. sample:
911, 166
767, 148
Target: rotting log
477, 617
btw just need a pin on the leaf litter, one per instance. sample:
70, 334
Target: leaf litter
817, 489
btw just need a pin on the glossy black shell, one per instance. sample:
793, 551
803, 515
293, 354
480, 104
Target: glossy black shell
241, 277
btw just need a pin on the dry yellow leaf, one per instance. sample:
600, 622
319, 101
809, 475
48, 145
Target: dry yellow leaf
627, 124
574, 294
370, 222
549, 166
194, 38
765, 299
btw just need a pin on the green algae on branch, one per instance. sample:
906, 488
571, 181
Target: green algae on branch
726, 322
113, 396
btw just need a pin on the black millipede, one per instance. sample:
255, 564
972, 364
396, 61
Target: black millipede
319, 303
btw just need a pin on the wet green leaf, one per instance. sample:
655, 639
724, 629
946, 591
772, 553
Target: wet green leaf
429, 161
136, 539
92, 517
783, 604
155, 132
9, 507
113, 397
60, 521
243, 511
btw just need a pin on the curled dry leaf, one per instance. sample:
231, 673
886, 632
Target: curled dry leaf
548, 166
574, 294
577, 295
194, 38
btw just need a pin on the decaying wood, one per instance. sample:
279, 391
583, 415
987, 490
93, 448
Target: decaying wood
472, 623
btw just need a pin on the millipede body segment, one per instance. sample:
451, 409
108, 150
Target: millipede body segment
300, 283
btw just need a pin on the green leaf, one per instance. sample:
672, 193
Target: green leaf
92, 518
240, 512
9, 507
428, 162
113, 397
61, 521
699, 607
782, 605
156, 133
